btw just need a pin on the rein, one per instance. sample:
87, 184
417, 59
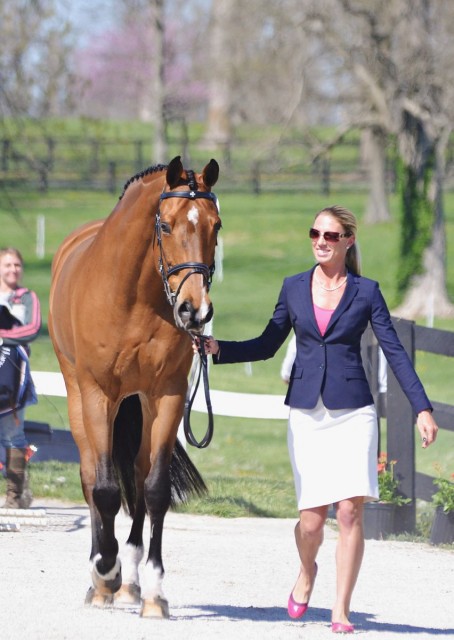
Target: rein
195, 377
207, 272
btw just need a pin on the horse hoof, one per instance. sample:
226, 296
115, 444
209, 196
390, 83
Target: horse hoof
128, 594
109, 583
157, 608
99, 600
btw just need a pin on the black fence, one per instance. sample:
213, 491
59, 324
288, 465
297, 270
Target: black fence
64, 162
400, 419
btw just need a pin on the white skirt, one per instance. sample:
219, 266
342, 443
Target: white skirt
333, 454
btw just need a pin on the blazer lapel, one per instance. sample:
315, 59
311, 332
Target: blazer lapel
307, 299
350, 292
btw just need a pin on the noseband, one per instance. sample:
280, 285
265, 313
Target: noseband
194, 267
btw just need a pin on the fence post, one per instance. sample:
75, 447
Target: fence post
6, 147
94, 157
401, 432
256, 188
326, 176
112, 177
50, 154
139, 155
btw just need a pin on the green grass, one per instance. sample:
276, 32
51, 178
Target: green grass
265, 239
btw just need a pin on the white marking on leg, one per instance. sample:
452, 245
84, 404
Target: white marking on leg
193, 215
151, 582
110, 575
130, 560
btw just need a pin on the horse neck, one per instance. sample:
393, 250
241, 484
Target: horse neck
127, 239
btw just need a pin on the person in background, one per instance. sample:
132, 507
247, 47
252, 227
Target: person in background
332, 427
23, 308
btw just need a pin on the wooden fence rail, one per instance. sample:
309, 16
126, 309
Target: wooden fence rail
79, 163
400, 418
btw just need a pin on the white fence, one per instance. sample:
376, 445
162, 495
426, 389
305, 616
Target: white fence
224, 403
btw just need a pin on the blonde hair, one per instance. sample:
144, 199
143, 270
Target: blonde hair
13, 251
348, 220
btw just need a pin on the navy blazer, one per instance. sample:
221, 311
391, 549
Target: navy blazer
330, 365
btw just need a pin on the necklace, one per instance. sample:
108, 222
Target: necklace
329, 288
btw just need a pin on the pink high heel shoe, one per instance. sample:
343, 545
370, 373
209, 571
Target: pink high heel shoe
298, 609
340, 627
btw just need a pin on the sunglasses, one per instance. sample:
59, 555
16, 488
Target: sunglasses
329, 236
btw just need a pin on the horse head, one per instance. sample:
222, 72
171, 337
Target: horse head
187, 225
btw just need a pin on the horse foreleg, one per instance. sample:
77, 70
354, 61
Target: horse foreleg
131, 555
157, 498
106, 566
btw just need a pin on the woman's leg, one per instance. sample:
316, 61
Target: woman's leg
12, 432
309, 537
12, 436
349, 554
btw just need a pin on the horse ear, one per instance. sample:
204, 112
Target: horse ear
210, 174
174, 171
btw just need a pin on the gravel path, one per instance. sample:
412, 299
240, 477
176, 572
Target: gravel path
225, 578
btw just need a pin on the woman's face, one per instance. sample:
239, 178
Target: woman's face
11, 271
330, 253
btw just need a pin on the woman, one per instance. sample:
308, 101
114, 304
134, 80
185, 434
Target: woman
20, 324
332, 430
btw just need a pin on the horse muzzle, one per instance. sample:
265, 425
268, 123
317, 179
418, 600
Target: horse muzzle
189, 318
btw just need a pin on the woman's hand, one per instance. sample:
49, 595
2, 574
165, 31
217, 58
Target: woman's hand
211, 346
427, 428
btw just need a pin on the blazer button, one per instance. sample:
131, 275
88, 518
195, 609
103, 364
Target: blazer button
322, 366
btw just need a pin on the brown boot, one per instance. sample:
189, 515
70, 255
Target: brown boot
18, 494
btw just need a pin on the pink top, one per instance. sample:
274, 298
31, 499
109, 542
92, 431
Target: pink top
322, 316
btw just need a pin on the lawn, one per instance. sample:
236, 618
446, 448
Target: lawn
264, 238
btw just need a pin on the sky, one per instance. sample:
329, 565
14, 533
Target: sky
89, 16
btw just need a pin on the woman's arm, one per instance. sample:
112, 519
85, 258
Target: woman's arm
403, 368
29, 330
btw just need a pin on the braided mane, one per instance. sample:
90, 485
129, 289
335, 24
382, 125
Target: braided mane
153, 169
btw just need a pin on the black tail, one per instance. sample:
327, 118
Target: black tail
126, 443
185, 480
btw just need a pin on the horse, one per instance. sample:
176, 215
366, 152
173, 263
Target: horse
128, 295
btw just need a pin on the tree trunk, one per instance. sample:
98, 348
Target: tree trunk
157, 84
219, 126
426, 294
374, 153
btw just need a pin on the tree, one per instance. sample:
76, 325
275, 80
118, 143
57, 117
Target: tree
35, 76
405, 81
35, 49
425, 125
220, 88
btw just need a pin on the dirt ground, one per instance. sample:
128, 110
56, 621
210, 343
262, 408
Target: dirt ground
225, 579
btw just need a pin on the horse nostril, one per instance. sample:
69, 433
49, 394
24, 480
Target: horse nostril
192, 318
185, 311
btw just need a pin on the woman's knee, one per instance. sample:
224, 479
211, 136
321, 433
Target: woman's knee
312, 522
349, 513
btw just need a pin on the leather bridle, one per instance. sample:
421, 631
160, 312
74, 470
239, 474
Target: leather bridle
207, 272
194, 267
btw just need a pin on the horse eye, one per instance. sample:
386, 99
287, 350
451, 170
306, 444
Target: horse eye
218, 226
165, 228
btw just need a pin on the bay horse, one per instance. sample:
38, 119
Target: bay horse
128, 293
